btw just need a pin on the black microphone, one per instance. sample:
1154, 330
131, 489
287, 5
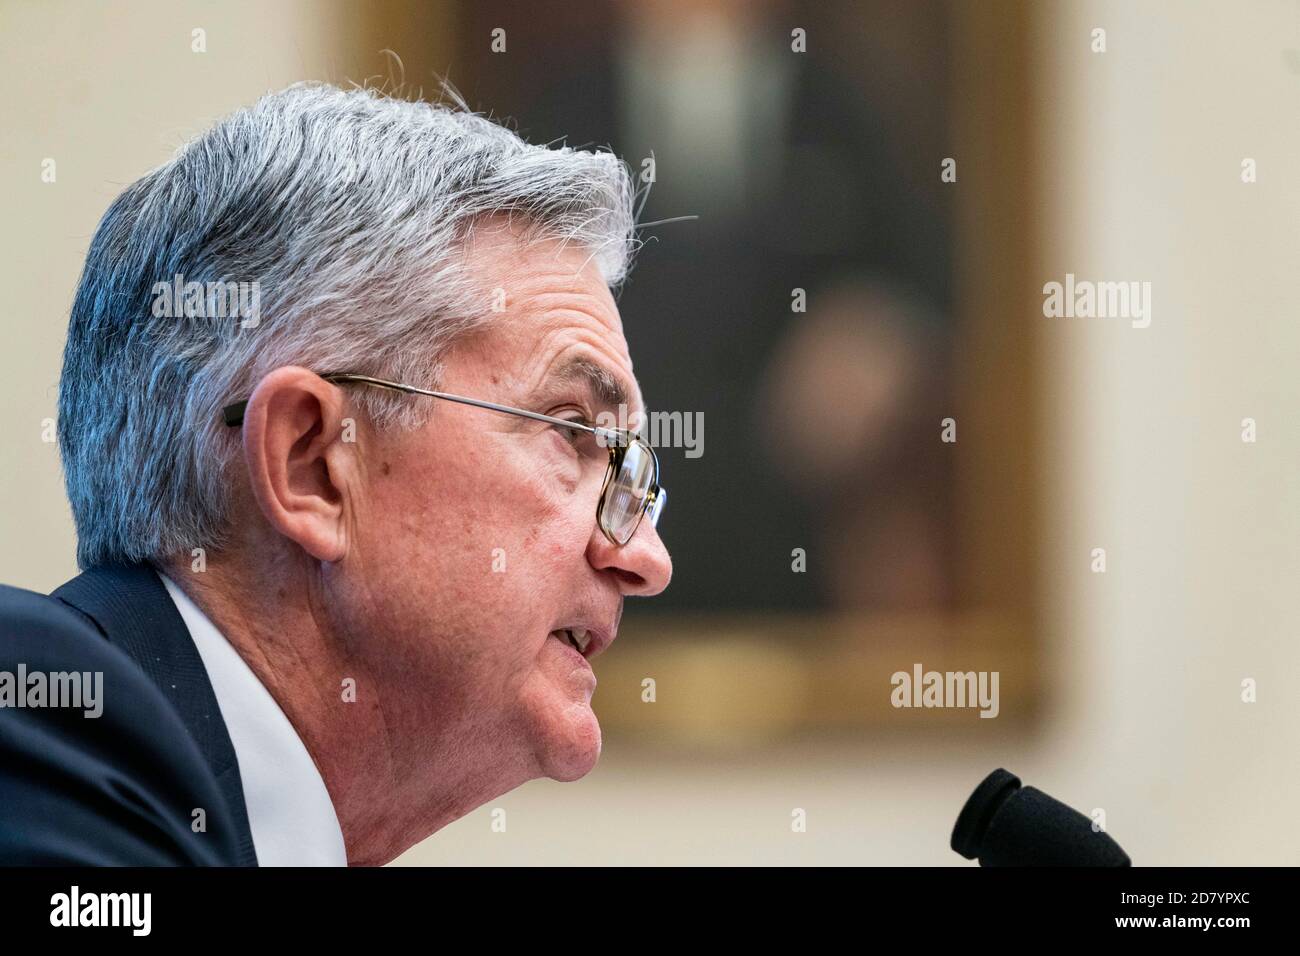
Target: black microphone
1005, 824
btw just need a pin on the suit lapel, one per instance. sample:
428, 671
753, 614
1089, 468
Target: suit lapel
130, 606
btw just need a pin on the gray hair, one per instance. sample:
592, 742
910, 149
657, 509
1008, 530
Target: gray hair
348, 209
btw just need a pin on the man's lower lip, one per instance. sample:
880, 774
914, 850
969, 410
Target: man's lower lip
570, 648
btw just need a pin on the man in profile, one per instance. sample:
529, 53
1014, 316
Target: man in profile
351, 531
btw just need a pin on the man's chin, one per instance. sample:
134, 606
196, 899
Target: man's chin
570, 745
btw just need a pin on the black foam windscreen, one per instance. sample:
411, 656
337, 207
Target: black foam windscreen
1006, 824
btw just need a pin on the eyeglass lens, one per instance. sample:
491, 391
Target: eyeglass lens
627, 492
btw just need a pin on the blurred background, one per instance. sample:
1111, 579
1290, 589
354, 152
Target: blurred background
826, 299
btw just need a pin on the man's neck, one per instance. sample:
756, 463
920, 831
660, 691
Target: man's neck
337, 711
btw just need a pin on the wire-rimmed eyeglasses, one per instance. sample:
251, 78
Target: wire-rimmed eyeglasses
631, 488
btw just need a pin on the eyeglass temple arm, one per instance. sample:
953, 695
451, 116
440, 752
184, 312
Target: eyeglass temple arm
234, 414
655, 492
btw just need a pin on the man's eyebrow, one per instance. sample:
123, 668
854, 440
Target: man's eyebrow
606, 388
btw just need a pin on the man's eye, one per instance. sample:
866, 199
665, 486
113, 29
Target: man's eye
571, 435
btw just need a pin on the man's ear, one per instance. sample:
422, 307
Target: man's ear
299, 468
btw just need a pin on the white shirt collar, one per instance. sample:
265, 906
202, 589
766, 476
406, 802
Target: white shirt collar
289, 809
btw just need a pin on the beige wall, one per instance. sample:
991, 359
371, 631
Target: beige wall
1142, 147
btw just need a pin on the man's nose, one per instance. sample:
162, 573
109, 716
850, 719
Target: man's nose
642, 566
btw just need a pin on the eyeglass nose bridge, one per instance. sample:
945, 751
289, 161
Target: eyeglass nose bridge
656, 499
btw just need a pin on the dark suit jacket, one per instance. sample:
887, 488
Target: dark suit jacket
121, 788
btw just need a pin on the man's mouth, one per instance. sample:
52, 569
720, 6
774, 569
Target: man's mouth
588, 639
579, 638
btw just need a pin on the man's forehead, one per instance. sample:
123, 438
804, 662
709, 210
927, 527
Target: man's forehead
559, 310
570, 367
